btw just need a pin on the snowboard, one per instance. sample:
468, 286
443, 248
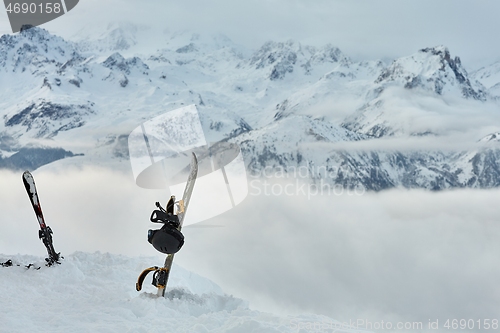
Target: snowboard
45, 232
161, 274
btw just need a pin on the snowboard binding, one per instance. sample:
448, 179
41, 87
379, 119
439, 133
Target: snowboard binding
46, 237
168, 239
163, 216
159, 277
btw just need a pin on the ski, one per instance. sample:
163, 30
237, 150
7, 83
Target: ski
161, 274
45, 232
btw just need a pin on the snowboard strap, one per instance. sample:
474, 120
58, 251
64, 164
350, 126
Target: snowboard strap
159, 277
46, 236
170, 204
157, 216
140, 280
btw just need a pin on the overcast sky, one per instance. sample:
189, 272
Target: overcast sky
363, 29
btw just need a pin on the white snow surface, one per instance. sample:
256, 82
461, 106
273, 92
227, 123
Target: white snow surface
95, 292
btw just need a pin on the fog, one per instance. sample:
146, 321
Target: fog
393, 255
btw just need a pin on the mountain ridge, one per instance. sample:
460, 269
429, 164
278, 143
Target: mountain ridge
313, 96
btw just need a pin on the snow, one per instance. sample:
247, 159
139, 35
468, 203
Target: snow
288, 105
489, 76
95, 292
493, 137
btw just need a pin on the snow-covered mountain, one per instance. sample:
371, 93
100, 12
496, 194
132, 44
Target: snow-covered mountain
277, 60
431, 74
286, 104
489, 77
432, 69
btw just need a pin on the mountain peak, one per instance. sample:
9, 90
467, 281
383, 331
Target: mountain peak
117, 61
114, 59
432, 69
32, 47
281, 58
328, 53
493, 137
29, 30
273, 52
440, 50
34, 34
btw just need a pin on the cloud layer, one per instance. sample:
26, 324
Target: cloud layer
410, 255
395, 255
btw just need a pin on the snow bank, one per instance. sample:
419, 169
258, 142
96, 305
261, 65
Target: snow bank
96, 293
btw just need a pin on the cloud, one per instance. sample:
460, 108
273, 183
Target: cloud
395, 255
457, 123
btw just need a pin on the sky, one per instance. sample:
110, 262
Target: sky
363, 29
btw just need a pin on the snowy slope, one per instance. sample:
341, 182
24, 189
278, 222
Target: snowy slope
96, 293
489, 76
